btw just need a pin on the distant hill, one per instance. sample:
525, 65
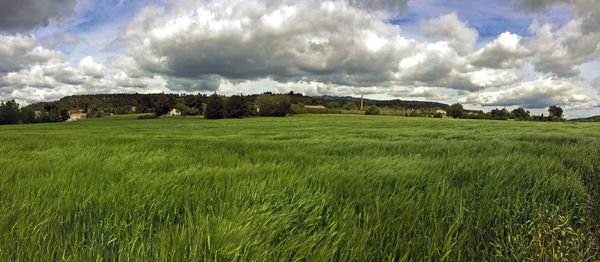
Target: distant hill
589, 119
394, 102
145, 102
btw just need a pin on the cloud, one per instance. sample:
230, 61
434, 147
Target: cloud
457, 33
539, 93
88, 67
558, 52
200, 44
18, 52
24, 15
506, 51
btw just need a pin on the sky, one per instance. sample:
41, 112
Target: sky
484, 54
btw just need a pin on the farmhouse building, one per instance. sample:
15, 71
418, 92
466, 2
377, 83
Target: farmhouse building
174, 112
75, 117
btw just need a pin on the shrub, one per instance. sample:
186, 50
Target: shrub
372, 110
215, 108
350, 106
334, 105
152, 116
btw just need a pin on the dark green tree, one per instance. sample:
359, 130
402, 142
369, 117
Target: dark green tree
53, 115
455, 111
64, 115
555, 112
163, 104
521, 114
237, 107
501, 114
273, 105
9, 112
215, 107
27, 115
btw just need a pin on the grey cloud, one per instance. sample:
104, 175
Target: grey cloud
19, 52
540, 93
395, 7
23, 15
558, 52
331, 43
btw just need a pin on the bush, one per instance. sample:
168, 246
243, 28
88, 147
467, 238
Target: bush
334, 105
152, 116
215, 108
237, 107
372, 110
273, 105
350, 106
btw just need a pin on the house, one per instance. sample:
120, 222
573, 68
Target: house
440, 111
75, 117
315, 107
174, 112
133, 108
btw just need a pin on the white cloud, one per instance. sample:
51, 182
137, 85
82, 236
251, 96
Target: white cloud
506, 51
87, 66
448, 27
539, 93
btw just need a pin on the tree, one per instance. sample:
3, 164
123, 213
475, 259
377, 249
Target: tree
273, 105
9, 112
521, 114
64, 115
555, 111
215, 107
372, 110
53, 115
334, 105
350, 106
163, 104
455, 111
501, 114
27, 115
237, 107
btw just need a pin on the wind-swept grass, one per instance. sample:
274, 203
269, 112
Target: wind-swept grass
307, 187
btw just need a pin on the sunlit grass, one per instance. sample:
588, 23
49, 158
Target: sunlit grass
307, 187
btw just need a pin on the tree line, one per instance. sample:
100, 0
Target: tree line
555, 113
11, 113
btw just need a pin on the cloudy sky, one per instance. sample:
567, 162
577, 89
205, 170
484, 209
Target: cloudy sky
482, 53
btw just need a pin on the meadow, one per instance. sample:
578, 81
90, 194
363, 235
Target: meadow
300, 188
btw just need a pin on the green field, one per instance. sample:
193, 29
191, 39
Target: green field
300, 188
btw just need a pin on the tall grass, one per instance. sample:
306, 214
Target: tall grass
307, 187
